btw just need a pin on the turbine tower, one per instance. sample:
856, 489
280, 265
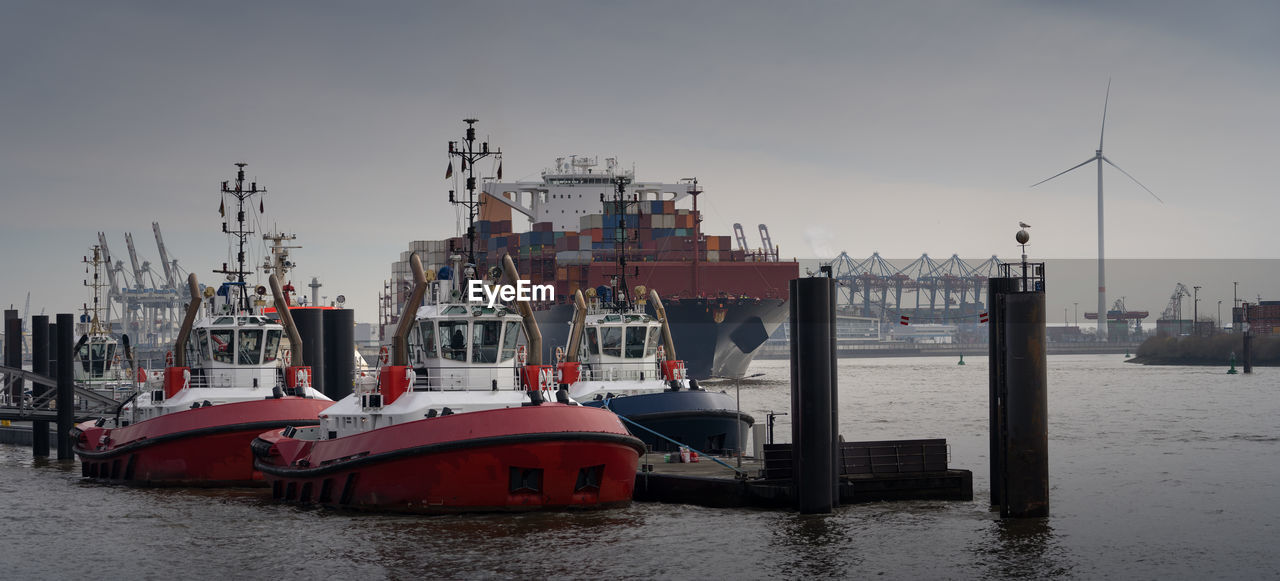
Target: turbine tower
1098, 157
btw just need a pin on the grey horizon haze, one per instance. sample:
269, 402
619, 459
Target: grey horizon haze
900, 128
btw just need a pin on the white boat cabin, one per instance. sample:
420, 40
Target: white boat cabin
463, 357
465, 346
231, 358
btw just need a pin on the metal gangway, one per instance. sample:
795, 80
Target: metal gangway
40, 405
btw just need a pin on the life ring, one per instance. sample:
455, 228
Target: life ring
662, 353
287, 357
559, 354
521, 357
168, 359
384, 355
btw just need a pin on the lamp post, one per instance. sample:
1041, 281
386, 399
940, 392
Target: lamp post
1077, 313
1195, 312
1219, 314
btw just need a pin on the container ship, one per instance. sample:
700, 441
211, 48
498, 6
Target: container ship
723, 302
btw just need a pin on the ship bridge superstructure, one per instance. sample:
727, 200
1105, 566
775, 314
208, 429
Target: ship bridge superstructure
573, 189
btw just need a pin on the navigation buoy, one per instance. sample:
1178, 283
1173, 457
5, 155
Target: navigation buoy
961, 359
1233, 371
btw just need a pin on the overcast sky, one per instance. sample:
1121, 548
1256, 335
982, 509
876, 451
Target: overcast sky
893, 127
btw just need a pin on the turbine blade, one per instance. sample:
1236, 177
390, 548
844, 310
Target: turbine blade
1085, 162
1105, 101
1135, 180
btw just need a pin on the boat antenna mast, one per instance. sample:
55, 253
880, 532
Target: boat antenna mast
95, 323
468, 154
618, 205
241, 233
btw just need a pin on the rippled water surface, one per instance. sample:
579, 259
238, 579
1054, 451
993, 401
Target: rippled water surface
1156, 473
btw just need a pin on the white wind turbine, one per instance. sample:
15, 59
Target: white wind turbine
1098, 157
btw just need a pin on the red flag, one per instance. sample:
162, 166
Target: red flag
222, 208
463, 165
448, 173
260, 210
499, 170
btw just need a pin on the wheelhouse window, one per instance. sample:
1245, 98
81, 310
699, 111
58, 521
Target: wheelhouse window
453, 336
484, 341
202, 338
272, 350
250, 347
95, 357
593, 340
611, 341
427, 339
223, 340
510, 337
651, 348
635, 341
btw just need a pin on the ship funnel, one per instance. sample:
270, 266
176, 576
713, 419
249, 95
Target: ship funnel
286, 319
531, 331
193, 309
399, 347
667, 344
579, 323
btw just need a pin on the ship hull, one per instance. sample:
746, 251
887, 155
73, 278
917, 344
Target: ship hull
714, 337
207, 446
706, 421
550, 456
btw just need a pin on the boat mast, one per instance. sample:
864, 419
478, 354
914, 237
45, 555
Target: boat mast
95, 323
621, 235
469, 156
697, 234
278, 264
241, 194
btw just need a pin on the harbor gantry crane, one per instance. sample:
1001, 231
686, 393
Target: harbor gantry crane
767, 242
741, 236
1173, 311
147, 309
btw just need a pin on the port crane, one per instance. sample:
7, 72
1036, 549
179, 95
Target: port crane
1173, 311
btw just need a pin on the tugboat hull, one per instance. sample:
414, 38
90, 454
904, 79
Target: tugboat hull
514, 459
207, 446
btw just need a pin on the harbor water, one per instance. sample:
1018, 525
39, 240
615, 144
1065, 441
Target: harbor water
1155, 473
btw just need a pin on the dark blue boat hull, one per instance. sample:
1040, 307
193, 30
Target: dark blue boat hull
703, 420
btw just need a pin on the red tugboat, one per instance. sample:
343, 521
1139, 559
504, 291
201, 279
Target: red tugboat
464, 423
195, 428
